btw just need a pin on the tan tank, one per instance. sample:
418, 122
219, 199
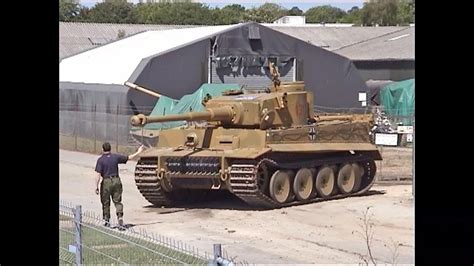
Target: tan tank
267, 148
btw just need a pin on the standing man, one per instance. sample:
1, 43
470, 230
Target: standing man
111, 186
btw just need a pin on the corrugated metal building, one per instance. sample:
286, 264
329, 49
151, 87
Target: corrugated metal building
387, 57
79, 37
369, 47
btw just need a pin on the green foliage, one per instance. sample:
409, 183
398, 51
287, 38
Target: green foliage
68, 10
375, 12
388, 12
113, 11
324, 14
84, 15
295, 11
406, 12
265, 13
181, 13
352, 16
230, 14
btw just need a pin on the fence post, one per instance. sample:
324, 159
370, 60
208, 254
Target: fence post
398, 176
75, 127
117, 129
217, 251
380, 177
78, 233
413, 162
95, 125
217, 255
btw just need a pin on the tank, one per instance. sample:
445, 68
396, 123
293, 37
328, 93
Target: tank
266, 147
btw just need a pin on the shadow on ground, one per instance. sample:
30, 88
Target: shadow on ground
224, 200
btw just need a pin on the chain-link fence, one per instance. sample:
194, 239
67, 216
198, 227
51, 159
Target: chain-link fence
85, 127
396, 164
395, 143
83, 239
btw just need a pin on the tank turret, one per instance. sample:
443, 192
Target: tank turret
283, 105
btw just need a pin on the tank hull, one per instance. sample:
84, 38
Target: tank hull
265, 168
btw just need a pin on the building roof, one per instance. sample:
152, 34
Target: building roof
113, 63
79, 37
355, 43
334, 38
398, 45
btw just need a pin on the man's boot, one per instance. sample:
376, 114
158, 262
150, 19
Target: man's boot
106, 223
120, 222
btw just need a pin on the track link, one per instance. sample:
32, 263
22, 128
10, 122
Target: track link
146, 179
243, 181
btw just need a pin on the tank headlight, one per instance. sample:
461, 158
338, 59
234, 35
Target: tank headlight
191, 140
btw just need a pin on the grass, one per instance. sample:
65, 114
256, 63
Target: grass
121, 247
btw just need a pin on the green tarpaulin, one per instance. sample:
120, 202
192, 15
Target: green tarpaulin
398, 99
188, 103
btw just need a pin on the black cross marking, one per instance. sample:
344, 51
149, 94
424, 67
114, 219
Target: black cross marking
312, 133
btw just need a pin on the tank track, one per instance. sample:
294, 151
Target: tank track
243, 180
148, 184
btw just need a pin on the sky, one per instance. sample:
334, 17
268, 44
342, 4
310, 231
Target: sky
301, 4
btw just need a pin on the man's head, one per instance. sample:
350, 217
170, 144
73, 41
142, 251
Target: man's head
106, 147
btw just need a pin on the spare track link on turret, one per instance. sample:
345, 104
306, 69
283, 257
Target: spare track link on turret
243, 181
148, 184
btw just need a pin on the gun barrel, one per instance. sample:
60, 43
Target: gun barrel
352, 117
138, 88
224, 114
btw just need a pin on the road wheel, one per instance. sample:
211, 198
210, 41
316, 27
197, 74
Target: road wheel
303, 184
359, 173
346, 179
325, 185
280, 188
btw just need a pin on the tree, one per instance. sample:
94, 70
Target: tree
68, 10
265, 13
406, 12
388, 12
352, 16
187, 13
84, 15
295, 11
324, 14
113, 11
230, 14
353, 9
